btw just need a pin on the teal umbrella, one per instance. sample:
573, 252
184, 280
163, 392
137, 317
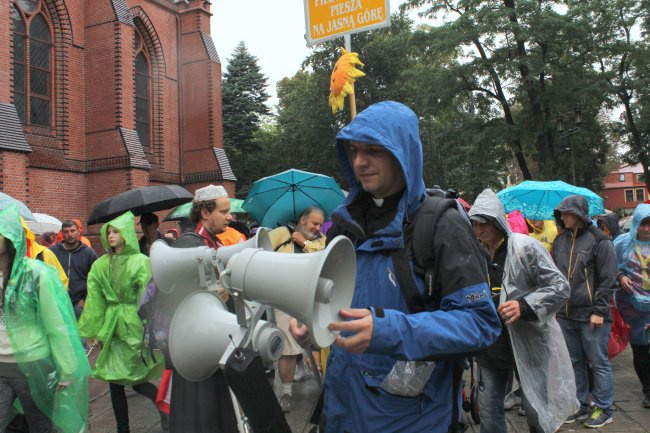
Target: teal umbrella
275, 200
23, 210
183, 211
536, 199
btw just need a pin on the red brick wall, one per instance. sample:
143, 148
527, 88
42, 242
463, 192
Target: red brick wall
13, 175
615, 199
77, 103
99, 98
60, 194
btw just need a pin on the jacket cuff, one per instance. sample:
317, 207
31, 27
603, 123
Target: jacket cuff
526, 311
381, 330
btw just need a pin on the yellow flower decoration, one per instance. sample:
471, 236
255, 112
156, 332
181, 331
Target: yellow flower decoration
343, 76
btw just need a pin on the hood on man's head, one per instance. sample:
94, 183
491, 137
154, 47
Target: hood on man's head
488, 207
575, 204
483, 219
641, 213
79, 225
395, 127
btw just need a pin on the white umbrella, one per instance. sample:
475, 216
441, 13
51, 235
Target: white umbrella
44, 223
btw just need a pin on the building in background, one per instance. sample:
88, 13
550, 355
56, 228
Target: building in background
624, 189
101, 96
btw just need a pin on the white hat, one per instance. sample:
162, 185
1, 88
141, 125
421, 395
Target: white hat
210, 192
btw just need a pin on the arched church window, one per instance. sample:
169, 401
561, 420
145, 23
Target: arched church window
142, 92
32, 63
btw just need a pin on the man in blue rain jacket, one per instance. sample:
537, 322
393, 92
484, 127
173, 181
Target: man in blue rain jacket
381, 155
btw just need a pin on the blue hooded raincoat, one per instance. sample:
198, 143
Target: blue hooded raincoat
633, 260
464, 320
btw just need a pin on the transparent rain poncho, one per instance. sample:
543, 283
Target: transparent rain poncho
43, 333
542, 358
116, 283
633, 260
541, 355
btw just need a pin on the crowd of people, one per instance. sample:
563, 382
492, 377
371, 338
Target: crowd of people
532, 308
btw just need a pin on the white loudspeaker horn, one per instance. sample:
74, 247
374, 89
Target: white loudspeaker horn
182, 269
310, 287
201, 331
260, 240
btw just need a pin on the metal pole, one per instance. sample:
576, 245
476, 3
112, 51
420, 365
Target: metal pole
353, 101
573, 167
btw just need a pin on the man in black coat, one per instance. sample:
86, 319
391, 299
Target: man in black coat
585, 255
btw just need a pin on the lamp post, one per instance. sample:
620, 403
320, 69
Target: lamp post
565, 135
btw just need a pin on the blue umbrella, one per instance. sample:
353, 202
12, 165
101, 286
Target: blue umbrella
23, 210
275, 200
536, 199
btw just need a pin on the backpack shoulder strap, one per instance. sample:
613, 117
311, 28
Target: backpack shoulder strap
418, 249
287, 242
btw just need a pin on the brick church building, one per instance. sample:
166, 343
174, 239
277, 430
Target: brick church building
101, 96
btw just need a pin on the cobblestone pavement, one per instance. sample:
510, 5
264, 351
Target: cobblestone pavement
144, 416
629, 415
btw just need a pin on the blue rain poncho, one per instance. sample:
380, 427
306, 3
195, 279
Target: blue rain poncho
633, 260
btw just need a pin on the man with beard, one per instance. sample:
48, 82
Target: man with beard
306, 238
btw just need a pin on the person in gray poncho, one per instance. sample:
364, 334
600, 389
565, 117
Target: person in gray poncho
528, 290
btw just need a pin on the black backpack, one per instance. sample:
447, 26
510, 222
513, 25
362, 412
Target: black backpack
419, 232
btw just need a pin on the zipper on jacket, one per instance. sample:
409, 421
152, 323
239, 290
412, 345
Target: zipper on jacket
429, 278
569, 273
591, 300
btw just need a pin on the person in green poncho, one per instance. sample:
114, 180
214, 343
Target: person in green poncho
110, 318
42, 361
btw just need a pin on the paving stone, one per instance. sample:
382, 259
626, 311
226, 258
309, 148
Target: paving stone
629, 417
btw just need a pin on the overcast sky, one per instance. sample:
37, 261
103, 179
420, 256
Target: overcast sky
273, 31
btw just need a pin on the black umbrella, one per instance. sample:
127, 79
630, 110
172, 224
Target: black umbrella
139, 201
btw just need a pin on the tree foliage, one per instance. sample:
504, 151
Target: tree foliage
243, 100
400, 65
489, 80
623, 66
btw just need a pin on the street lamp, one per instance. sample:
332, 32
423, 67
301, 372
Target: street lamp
565, 135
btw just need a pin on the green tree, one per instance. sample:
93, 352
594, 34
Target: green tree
622, 53
403, 65
243, 101
306, 125
528, 61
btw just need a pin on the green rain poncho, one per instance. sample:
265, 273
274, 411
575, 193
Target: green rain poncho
42, 330
115, 285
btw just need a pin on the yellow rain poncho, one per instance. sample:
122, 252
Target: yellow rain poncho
42, 329
116, 283
34, 249
546, 234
